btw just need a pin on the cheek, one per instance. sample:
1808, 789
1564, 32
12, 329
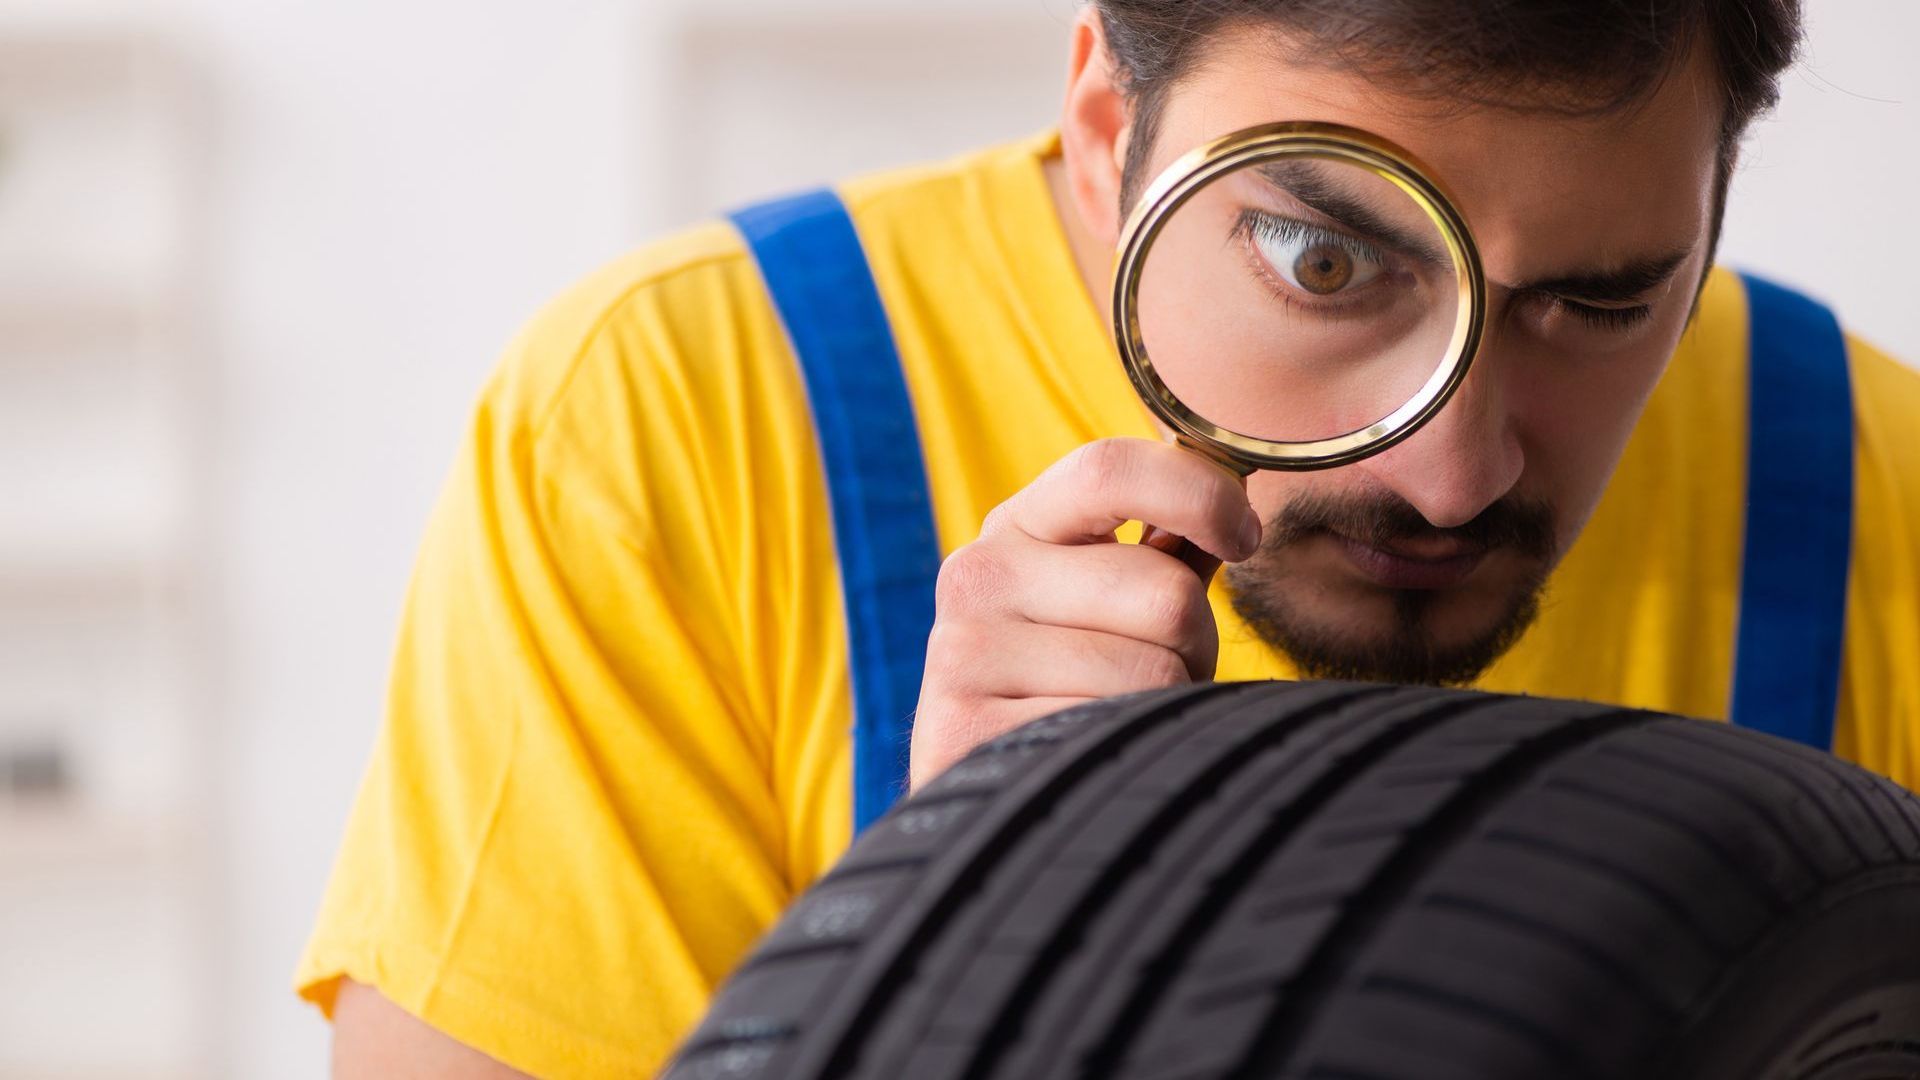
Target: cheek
1574, 416
1270, 491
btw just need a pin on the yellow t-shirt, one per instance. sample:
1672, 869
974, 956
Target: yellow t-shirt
616, 738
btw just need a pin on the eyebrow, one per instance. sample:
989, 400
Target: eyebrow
1616, 285
1627, 281
1302, 181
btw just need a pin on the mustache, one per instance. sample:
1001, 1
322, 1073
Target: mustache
1382, 518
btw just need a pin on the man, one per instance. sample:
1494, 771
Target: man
617, 738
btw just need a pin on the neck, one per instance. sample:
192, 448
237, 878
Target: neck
1093, 258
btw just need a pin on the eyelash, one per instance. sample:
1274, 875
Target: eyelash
1287, 230
1600, 318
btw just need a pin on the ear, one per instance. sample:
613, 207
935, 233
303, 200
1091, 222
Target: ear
1094, 127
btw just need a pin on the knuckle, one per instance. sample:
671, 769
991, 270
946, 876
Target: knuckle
1171, 605
951, 646
1103, 465
929, 753
932, 730
1159, 667
972, 577
996, 521
1208, 494
1216, 502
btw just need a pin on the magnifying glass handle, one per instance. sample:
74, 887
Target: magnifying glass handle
1197, 558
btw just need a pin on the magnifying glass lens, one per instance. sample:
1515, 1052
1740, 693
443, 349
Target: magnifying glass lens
1297, 298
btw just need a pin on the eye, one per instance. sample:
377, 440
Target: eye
1605, 318
1314, 261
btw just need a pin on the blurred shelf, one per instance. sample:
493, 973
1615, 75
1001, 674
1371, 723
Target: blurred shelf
105, 859
36, 840
40, 320
43, 582
144, 1072
29, 326
38, 62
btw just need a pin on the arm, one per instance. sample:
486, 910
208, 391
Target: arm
374, 1039
582, 807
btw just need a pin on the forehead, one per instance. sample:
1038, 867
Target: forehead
1540, 189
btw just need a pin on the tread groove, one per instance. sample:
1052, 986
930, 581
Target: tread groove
1732, 790
1004, 1030
1153, 980
1358, 925
1344, 881
1760, 758
1893, 1046
1627, 876
1563, 1055
1775, 902
1341, 1072
841, 874
836, 1056
776, 957
1903, 807
1839, 1031
1565, 939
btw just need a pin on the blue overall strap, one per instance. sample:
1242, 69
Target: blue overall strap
1793, 579
814, 268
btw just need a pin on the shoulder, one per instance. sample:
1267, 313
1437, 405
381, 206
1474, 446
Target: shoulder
1886, 409
1880, 688
1885, 391
692, 306
1886, 400
628, 322
645, 409
940, 184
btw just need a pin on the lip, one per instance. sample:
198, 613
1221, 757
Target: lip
1401, 570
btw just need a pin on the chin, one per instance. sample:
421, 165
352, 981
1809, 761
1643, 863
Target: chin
1430, 637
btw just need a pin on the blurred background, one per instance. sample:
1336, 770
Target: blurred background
256, 257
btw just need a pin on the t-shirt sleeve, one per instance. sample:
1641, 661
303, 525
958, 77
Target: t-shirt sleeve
575, 819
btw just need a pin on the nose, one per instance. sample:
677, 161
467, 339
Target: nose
1465, 458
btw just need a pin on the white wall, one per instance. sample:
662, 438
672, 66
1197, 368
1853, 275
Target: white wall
397, 183
1824, 198
401, 184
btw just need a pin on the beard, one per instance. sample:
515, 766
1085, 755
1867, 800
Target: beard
1404, 645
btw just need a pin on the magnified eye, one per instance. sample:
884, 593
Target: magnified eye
1315, 261
1322, 269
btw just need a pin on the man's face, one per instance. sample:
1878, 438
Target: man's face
1423, 564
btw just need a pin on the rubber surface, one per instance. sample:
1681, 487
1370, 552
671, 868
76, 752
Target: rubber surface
1345, 882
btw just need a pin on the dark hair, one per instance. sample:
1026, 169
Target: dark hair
1572, 56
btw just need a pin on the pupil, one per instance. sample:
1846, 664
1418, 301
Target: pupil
1322, 269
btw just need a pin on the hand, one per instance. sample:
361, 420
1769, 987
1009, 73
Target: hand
1047, 610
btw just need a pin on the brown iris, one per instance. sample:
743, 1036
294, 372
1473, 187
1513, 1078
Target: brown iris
1323, 269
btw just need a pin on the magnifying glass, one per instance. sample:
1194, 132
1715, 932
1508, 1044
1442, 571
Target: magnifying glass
1295, 296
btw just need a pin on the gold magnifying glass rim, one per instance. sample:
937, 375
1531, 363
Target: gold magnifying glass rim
1319, 141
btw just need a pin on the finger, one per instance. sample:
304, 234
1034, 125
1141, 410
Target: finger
1126, 589
1089, 493
978, 660
1191, 555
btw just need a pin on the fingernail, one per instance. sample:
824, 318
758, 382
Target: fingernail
1250, 535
